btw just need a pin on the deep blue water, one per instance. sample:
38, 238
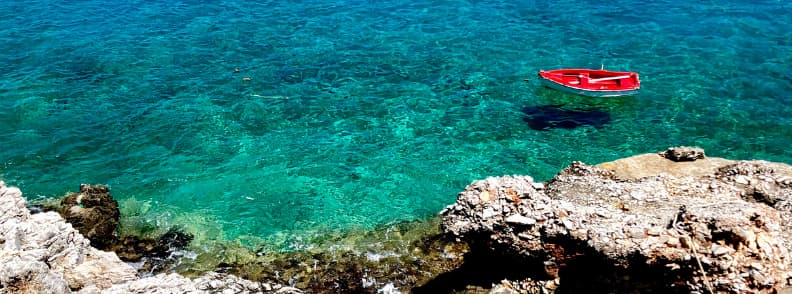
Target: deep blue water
358, 113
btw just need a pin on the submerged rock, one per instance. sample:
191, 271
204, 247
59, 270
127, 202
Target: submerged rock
155, 255
391, 259
723, 226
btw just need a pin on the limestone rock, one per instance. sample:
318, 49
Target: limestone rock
650, 165
173, 283
23, 274
683, 153
644, 230
42, 251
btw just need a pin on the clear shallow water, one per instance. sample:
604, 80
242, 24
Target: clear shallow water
358, 113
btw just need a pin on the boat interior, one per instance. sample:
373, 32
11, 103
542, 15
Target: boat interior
594, 80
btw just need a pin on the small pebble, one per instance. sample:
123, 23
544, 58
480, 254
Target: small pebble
719, 250
520, 220
654, 231
214, 284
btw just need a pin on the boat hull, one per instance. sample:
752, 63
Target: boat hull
592, 82
589, 93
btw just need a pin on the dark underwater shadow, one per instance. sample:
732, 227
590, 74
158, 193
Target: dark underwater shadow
582, 269
483, 270
547, 117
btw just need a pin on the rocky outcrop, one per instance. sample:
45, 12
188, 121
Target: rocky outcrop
94, 213
679, 154
671, 222
42, 253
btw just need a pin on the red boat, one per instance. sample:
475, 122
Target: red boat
592, 82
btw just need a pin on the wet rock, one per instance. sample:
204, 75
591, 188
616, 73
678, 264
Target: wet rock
156, 254
152, 256
175, 238
94, 213
733, 217
394, 259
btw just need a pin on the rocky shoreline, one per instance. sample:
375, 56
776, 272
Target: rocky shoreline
415, 253
673, 222
42, 253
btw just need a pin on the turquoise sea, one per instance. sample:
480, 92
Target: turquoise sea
276, 122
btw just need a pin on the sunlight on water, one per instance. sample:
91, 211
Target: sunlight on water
275, 122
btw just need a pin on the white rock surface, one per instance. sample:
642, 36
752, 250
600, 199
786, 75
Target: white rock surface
644, 213
41, 253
